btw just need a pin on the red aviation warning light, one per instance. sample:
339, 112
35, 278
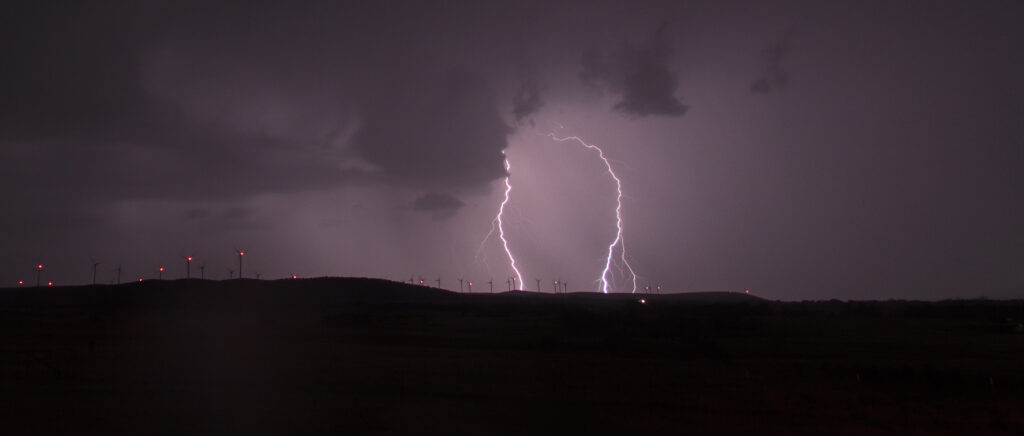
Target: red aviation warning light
140, 279
188, 259
21, 282
39, 267
747, 292
49, 283
421, 281
294, 276
241, 253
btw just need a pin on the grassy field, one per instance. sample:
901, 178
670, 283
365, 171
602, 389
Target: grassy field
362, 356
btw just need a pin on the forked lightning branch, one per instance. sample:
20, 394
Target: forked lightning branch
617, 245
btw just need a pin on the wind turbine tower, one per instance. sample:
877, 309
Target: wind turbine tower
94, 265
241, 253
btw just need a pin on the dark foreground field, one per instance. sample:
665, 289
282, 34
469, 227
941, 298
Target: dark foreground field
353, 356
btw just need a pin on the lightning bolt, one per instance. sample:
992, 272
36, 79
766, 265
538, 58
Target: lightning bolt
501, 224
619, 240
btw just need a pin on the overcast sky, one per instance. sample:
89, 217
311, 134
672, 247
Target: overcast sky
802, 150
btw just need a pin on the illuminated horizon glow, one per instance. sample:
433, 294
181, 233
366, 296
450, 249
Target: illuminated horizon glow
619, 239
501, 224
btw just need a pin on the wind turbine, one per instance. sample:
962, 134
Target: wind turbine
39, 274
460, 285
94, 265
491, 284
240, 253
188, 267
471, 287
231, 273
538, 285
438, 282
202, 271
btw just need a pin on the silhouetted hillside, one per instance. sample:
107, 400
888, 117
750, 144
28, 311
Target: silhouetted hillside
372, 356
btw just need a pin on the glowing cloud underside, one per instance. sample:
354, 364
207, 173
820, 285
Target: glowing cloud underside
619, 240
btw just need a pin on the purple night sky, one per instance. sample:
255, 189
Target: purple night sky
803, 150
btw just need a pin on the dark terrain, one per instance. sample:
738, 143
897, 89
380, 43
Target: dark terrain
359, 356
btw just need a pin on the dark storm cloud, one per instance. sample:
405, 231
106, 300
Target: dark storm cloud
71, 74
774, 77
640, 74
527, 99
445, 131
77, 120
437, 202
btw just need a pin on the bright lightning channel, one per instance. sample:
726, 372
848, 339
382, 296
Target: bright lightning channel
501, 225
619, 240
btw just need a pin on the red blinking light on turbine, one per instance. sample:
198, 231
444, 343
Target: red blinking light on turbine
21, 282
49, 283
294, 276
